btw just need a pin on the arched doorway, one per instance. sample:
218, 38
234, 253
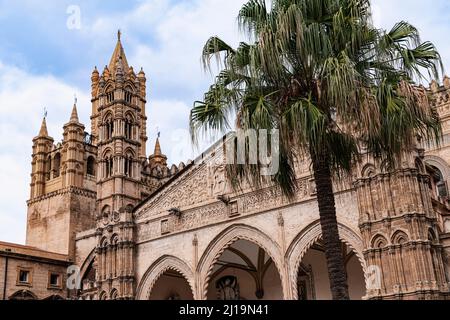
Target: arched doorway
171, 285
244, 271
312, 278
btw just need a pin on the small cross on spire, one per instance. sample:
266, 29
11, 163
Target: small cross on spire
75, 99
45, 112
119, 34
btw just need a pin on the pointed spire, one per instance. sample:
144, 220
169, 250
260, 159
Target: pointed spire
141, 73
119, 53
158, 158
158, 151
95, 74
74, 115
43, 132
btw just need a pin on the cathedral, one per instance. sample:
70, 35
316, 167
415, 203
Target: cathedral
108, 221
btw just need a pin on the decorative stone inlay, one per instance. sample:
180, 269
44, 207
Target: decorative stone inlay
253, 202
234, 209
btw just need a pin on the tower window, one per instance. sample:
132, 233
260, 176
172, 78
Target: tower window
56, 165
90, 166
110, 167
110, 96
128, 129
48, 168
129, 167
107, 169
128, 97
109, 129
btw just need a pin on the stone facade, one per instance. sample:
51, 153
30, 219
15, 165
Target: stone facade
31, 273
138, 229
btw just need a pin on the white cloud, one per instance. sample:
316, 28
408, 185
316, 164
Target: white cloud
176, 33
165, 38
23, 97
22, 100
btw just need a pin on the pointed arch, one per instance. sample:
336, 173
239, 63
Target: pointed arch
399, 237
308, 237
157, 269
129, 86
439, 163
368, 171
114, 239
103, 296
129, 152
379, 241
87, 263
107, 117
109, 86
104, 242
114, 294
130, 116
224, 240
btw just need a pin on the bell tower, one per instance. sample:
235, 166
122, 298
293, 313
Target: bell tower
119, 130
62, 197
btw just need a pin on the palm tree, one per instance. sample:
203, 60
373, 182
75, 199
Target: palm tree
332, 84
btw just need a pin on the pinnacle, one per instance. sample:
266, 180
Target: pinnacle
158, 151
119, 54
43, 132
74, 115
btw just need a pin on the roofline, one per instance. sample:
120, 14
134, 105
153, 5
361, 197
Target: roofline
202, 156
7, 249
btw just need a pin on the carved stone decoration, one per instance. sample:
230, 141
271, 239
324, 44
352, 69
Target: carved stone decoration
190, 188
312, 187
228, 288
219, 181
234, 209
165, 227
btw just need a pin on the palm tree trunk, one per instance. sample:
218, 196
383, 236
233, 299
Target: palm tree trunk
330, 233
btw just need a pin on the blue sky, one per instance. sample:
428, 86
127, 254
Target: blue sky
43, 63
